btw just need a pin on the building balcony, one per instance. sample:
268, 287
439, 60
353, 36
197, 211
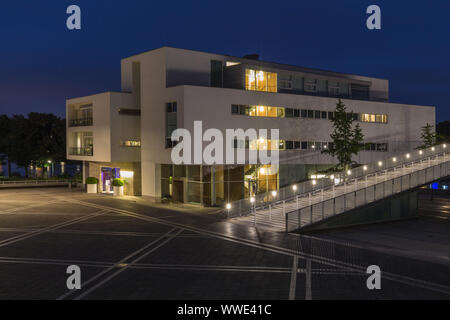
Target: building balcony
82, 122
84, 151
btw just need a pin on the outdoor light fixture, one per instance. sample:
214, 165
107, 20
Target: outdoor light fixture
365, 168
274, 193
49, 161
394, 159
262, 171
252, 199
445, 146
314, 182
420, 152
261, 140
349, 172
294, 187
228, 206
126, 174
332, 177
407, 156
432, 148
380, 163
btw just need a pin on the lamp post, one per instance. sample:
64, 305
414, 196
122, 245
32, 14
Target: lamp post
228, 206
50, 162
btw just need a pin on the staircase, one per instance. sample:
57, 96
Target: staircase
367, 184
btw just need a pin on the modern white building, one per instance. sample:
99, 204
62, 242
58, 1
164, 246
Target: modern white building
127, 134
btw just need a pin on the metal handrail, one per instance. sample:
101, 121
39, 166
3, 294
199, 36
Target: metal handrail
364, 189
306, 188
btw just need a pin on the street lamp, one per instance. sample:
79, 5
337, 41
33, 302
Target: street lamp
294, 187
51, 163
349, 172
274, 193
365, 168
407, 156
394, 159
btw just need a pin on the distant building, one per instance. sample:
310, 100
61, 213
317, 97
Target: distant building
127, 134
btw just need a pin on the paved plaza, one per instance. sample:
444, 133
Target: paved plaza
129, 248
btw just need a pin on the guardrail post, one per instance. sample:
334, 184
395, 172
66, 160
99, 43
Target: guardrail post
296, 199
270, 212
323, 210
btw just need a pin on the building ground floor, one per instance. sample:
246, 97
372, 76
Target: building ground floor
200, 184
106, 172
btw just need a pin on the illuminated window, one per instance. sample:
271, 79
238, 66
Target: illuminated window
130, 143
266, 144
258, 80
232, 63
368, 117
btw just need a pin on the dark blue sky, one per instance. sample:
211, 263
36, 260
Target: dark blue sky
42, 63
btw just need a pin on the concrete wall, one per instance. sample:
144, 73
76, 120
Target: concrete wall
400, 206
101, 127
213, 107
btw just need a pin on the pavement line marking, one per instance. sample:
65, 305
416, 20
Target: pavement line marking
293, 278
110, 277
106, 233
123, 260
13, 210
89, 263
30, 234
56, 262
269, 247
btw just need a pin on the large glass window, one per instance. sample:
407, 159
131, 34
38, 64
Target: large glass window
258, 80
310, 85
171, 123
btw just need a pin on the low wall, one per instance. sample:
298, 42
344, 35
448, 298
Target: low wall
397, 207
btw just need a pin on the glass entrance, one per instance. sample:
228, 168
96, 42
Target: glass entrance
107, 177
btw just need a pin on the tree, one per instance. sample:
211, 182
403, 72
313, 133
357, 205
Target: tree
32, 140
5, 142
428, 137
347, 141
443, 132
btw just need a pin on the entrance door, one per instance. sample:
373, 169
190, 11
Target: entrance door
107, 180
177, 191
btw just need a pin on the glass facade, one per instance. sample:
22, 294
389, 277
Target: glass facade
259, 80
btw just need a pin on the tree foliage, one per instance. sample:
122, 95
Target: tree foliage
428, 137
347, 140
32, 140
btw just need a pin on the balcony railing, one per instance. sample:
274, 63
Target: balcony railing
84, 151
80, 122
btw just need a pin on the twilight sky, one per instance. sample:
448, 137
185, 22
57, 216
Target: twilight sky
42, 63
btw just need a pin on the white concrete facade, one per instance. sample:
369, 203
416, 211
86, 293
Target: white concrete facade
152, 79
